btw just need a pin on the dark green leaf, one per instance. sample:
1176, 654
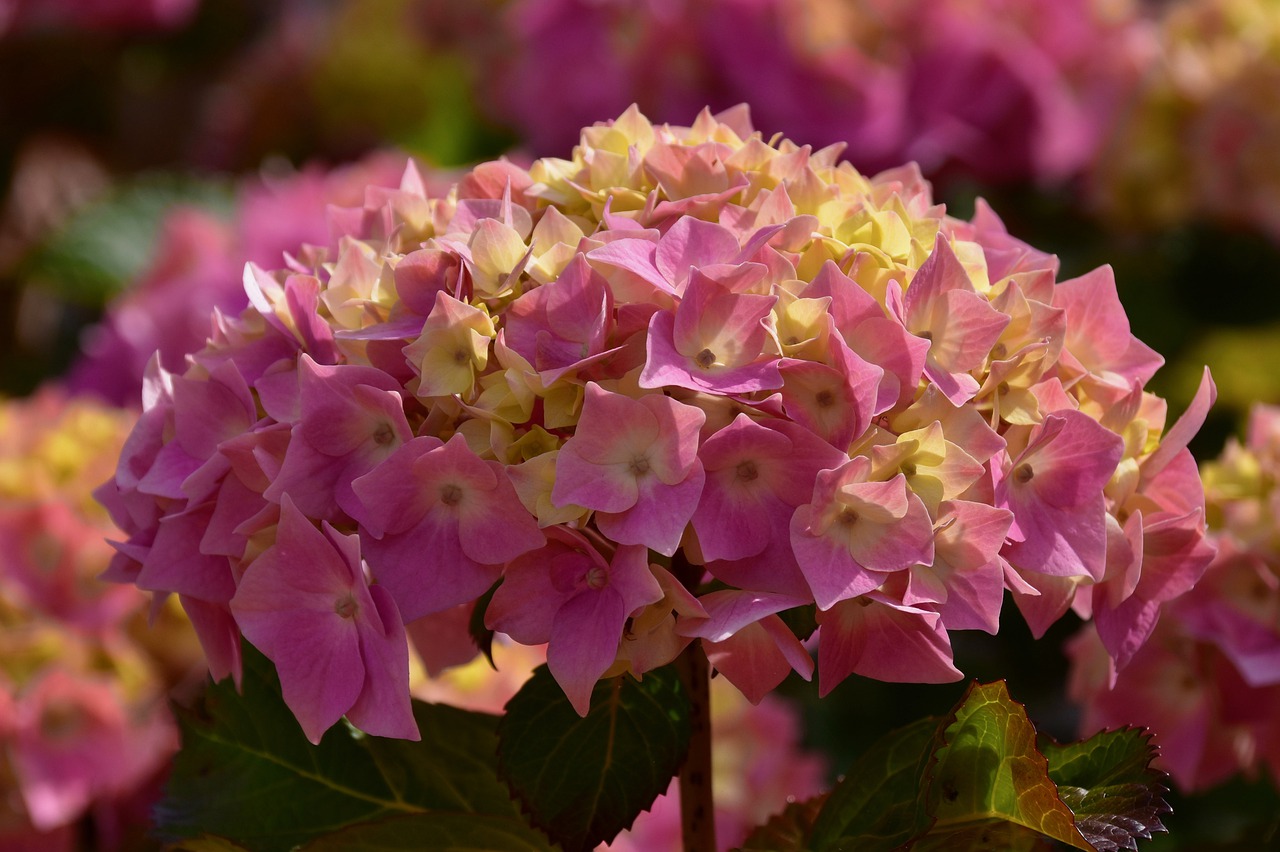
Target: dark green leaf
481, 635
801, 620
988, 768
435, 832
787, 831
247, 773
585, 779
108, 244
994, 835
878, 802
1107, 780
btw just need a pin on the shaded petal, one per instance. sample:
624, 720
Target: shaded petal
584, 643
875, 638
383, 707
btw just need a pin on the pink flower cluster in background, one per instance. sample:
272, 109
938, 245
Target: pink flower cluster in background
102, 15
196, 270
993, 89
1208, 682
1202, 131
84, 718
683, 354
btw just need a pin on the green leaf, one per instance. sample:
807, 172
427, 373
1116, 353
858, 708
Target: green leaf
111, 242
1108, 782
432, 832
205, 843
481, 635
585, 779
878, 802
787, 831
994, 835
976, 780
801, 620
989, 769
246, 772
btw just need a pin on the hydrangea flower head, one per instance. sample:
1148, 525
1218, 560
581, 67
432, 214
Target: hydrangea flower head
656, 394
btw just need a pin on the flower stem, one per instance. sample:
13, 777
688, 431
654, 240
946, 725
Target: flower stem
697, 810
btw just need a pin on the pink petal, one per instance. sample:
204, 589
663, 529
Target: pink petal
692, 243
730, 610
659, 516
1098, 330
175, 564
636, 256
219, 636
525, 604
666, 366
754, 660
584, 643
442, 639
875, 638
1177, 437
426, 569
207, 412
287, 606
830, 570
391, 499
383, 707
630, 576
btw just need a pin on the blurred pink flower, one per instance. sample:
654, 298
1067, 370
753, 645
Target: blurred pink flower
1198, 137
197, 269
104, 15
994, 89
84, 719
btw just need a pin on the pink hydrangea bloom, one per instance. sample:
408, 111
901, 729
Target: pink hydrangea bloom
1198, 138
105, 15
658, 394
84, 722
1000, 89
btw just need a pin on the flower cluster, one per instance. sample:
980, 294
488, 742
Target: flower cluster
1208, 682
83, 716
1000, 89
662, 391
1201, 135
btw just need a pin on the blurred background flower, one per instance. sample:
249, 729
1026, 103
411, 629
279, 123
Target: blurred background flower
997, 90
86, 668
